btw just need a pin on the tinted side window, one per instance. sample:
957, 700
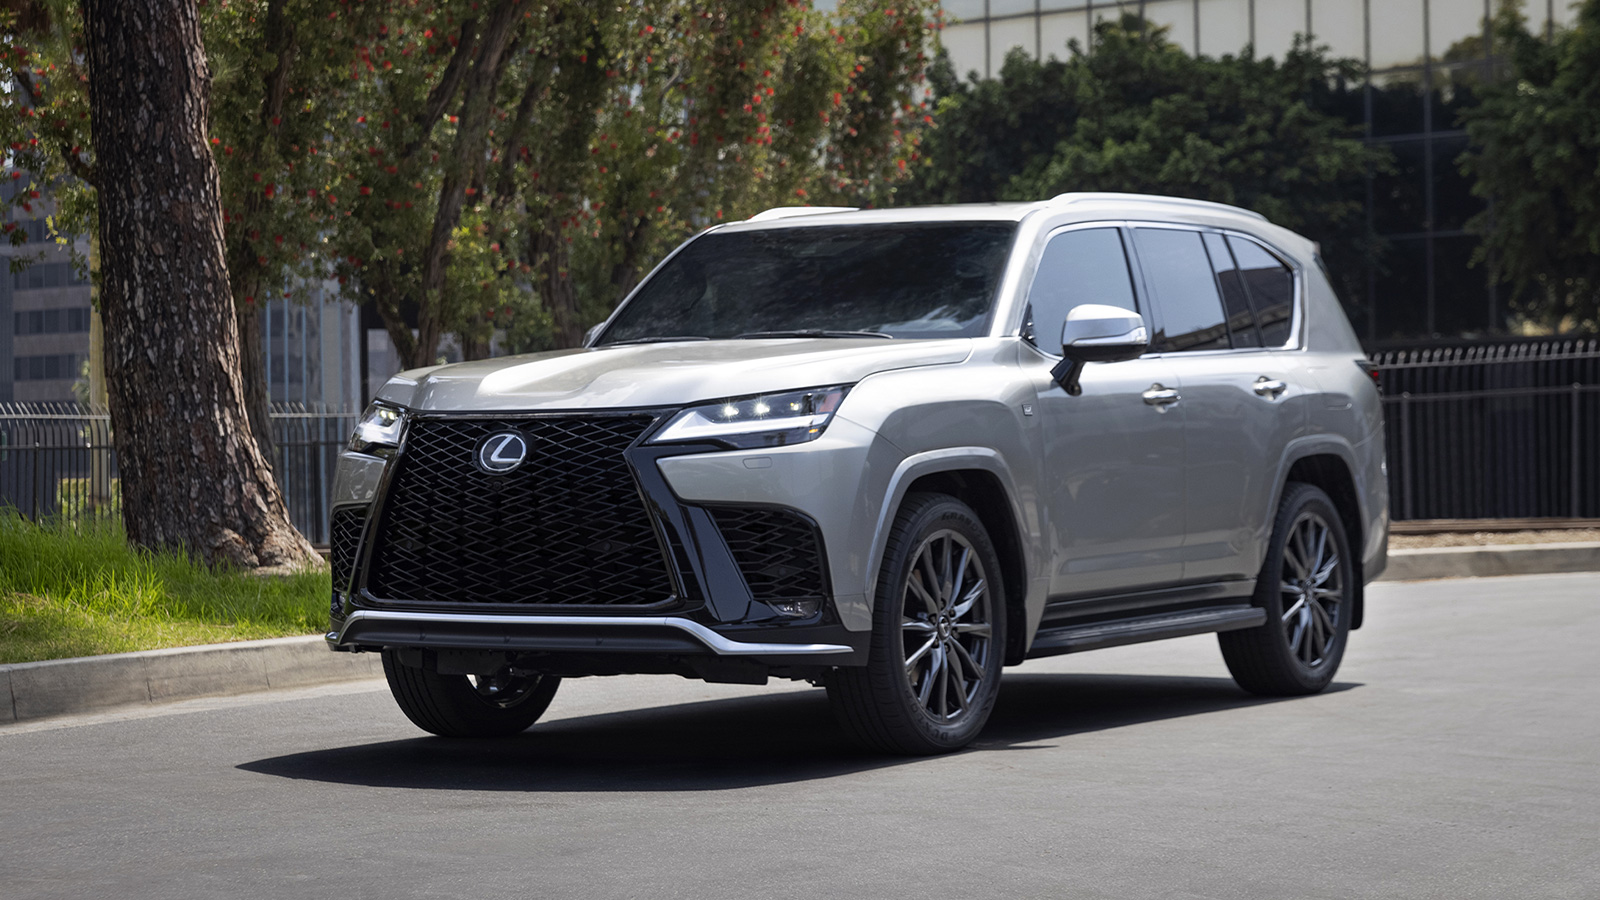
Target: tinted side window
1271, 285
1179, 275
1235, 302
1077, 267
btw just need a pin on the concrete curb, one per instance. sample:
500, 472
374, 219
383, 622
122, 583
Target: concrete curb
1495, 559
61, 687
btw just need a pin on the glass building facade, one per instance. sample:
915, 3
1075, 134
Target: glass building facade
1423, 56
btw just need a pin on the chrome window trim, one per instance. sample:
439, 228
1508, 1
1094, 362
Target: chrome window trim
1297, 301
716, 643
1025, 281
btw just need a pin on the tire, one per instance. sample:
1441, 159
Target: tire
497, 705
1307, 587
954, 636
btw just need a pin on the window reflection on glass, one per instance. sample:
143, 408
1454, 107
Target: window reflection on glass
1235, 302
904, 280
1077, 267
1271, 287
1179, 275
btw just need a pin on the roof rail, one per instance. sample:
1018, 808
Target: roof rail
789, 212
1079, 197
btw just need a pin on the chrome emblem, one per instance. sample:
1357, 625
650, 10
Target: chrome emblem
501, 452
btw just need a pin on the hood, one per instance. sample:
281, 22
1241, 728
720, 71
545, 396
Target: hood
674, 374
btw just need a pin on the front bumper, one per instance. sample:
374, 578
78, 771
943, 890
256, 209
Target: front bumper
720, 608
656, 636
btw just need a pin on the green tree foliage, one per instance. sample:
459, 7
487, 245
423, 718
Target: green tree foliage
1138, 114
474, 165
1535, 156
44, 119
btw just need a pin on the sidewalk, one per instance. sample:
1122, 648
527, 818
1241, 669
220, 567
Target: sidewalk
39, 690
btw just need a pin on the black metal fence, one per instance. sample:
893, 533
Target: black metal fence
57, 460
1493, 431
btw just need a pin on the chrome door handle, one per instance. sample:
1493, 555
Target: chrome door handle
1161, 396
1270, 388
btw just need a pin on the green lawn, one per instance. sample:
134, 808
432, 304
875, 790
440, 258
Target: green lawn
80, 590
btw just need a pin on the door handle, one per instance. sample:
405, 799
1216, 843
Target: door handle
1270, 387
1161, 397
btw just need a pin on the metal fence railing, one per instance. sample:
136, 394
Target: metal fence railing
1493, 430
57, 460
1499, 454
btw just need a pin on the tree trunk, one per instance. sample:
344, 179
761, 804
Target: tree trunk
253, 377
556, 291
193, 477
625, 272
461, 172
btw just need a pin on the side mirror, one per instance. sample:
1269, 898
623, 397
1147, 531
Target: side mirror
591, 334
1098, 333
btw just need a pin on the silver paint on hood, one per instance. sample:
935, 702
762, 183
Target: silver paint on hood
668, 374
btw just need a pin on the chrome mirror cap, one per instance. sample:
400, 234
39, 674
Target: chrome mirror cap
1096, 332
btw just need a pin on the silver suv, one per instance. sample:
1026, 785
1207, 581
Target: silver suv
887, 452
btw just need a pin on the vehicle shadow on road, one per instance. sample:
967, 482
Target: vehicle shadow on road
743, 742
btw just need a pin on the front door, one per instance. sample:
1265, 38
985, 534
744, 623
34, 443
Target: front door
1112, 484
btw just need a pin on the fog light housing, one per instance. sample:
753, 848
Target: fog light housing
803, 608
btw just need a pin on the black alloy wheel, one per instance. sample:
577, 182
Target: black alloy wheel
933, 670
1306, 586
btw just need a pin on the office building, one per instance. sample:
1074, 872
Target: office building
1421, 55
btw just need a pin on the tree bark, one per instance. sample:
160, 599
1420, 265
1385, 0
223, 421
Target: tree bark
253, 377
193, 477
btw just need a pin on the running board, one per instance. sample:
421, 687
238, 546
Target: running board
1076, 638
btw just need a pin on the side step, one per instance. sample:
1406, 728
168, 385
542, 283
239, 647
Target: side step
1076, 638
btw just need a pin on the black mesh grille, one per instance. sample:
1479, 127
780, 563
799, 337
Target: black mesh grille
344, 536
776, 549
566, 527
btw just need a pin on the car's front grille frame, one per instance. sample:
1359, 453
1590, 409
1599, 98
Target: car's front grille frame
778, 551
654, 585
345, 527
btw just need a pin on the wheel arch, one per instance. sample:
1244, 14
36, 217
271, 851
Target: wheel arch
1334, 474
979, 478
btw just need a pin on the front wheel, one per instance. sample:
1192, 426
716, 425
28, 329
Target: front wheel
1307, 585
938, 635
499, 704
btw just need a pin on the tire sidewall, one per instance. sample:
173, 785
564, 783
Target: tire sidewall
929, 514
1303, 498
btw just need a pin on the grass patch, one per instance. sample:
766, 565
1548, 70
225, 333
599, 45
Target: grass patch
80, 590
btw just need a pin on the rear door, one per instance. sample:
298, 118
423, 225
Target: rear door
1236, 395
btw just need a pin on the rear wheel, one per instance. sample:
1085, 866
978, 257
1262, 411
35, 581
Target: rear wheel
1306, 586
501, 703
933, 670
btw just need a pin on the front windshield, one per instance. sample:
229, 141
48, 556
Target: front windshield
934, 280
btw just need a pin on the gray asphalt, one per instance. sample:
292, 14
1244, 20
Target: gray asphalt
1457, 756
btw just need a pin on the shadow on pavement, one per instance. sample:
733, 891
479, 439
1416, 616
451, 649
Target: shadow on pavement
742, 742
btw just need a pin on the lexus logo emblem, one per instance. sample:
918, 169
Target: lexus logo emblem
501, 452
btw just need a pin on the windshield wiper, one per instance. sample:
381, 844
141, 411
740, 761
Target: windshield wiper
812, 333
657, 340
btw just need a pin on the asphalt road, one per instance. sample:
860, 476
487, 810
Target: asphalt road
1457, 756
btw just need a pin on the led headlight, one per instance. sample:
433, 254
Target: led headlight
766, 420
379, 429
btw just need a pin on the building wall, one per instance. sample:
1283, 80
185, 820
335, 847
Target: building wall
312, 352
44, 318
1422, 55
